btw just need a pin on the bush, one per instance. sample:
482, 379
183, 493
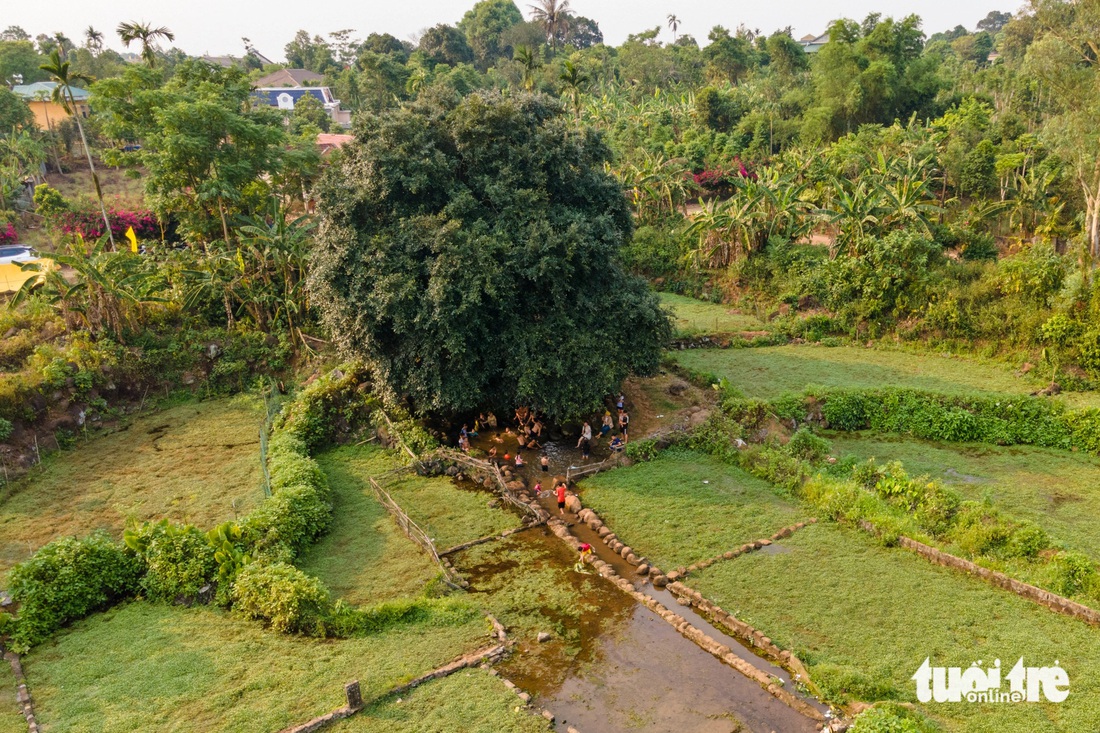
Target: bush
642, 450
282, 596
68, 579
890, 717
48, 201
5, 429
179, 562
807, 446
8, 234
839, 684
1074, 573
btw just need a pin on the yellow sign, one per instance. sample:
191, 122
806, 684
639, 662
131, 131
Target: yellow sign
133, 239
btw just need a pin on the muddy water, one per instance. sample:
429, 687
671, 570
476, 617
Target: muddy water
614, 666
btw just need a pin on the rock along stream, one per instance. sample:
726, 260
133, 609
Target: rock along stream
628, 669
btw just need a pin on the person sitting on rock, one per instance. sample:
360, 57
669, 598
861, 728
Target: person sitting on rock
616, 444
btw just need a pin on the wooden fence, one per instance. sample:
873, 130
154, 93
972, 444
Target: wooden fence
413, 531
492, 470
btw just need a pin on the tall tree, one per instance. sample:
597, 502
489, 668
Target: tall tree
61, 73
472, 257
674, 24
147, 35
574, 82
485, 25
529, 62
93, 40
552, 15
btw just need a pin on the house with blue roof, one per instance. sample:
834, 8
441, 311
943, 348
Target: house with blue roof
47, 113
285, 98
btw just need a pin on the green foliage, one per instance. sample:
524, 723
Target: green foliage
843, 684
471, 256
807, 446
887, 717
1036, 274
179, 561
48, 201
1075, 573
5, 429
642, 450
68, 579
283, 597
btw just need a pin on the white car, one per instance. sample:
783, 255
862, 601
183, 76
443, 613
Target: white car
12, 276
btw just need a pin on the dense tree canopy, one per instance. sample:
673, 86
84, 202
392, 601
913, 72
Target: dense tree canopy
471, 254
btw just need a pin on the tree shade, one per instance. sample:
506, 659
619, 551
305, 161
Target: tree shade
470, 253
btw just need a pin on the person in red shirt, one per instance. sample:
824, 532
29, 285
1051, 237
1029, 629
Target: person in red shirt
560, 491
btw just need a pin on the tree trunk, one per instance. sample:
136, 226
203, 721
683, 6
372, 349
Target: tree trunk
91, 167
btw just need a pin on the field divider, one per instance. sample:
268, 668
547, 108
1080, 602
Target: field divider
682, 572
1053, 601
415, 533
492, 472
22, 693
482, 540
356, 704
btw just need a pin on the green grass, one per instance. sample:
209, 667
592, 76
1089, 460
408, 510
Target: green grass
364, 557
850, 607
692, 316
666, 511
1058, 490
11, 718
472, 701
198, 462
145, 667
768, 372
448, 514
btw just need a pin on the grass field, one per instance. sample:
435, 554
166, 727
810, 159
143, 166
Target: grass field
198, 462
692, 316
1058, 490
684, 507
774, 370
471, 701
865, 617
145, 667
448, 514
364, 558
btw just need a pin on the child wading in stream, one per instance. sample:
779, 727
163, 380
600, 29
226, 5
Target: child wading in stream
560, 491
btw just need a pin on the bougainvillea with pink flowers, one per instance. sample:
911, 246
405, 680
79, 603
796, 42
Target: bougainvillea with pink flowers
7, 233
88, 222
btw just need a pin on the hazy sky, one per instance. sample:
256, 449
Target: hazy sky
216, 27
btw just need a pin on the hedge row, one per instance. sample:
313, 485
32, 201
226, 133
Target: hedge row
70, 578
1000, 420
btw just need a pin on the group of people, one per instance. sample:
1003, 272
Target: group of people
529, 433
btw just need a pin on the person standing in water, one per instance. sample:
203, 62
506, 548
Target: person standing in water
545, 463
560, 492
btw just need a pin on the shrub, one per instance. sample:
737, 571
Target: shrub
282, 596
5, 429
8, 234
807, 446
1074, 573
68, 579
888, 717
839, 684
179, 561
642, 450
48, 201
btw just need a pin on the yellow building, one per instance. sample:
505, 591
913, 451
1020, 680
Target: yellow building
48, 113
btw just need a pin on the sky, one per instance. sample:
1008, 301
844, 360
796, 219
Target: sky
216, 27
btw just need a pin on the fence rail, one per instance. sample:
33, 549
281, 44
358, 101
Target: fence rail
413, 530
491, 469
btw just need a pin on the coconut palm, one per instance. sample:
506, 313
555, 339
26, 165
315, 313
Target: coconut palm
93, 40
674, 24
552, 15
61, 73
143, 32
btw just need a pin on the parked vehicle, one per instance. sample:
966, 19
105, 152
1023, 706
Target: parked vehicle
12, 275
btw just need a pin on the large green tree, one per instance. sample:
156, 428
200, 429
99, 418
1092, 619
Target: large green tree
471, 254
485, 25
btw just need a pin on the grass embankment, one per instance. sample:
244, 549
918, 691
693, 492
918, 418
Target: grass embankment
694, 317
197, 463
865, 617
683, 507
146, 667
768, 372
1058, 490
364, 558
471, 701
11, 718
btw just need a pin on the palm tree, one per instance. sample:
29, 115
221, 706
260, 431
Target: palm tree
134, 31
674, 24
574, 82
60, 72
94, 40
530, 62
551, 15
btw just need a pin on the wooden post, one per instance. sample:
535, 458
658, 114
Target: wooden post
355, 697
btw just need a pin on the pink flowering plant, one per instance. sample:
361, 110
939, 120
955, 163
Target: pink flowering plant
88, 222
7, 233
